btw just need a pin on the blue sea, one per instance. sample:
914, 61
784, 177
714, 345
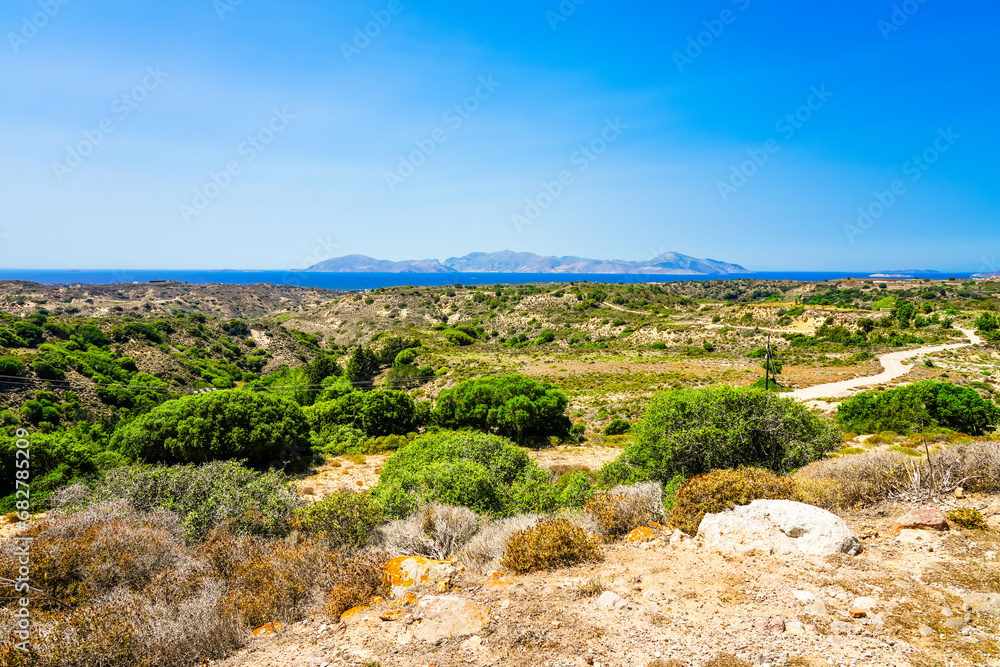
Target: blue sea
363, 281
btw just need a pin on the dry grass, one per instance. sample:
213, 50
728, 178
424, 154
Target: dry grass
122, 589
625, 508
486, 548
435, 531
550, 544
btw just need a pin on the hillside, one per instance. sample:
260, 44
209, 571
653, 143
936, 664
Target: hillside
526, 262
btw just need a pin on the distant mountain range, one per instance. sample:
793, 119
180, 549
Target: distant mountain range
507, 261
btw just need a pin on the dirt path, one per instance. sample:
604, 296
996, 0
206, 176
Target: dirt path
893, 365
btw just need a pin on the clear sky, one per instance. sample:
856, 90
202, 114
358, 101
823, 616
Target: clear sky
256, 134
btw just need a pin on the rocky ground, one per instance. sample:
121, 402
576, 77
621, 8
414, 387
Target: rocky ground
901, 602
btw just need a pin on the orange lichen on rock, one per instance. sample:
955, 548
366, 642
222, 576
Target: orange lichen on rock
352, 611
407, 571
267, 630
639, 534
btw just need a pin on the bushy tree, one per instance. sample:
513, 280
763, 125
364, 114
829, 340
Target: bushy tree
256, 426
511, 405
362, 366
917, 406
387, 412
486, 473
691, 431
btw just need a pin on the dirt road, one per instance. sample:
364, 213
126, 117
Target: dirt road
893, 365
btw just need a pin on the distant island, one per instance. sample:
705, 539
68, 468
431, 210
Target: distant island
507, 261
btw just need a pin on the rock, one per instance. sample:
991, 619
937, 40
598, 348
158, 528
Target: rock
804, 596
267, 630
956, 623
922, 518
443, 617
959, 493
612, 600
772, 624
677, 537
778, 526
926, 630
868, 604
841, 628
473, 643
640, 534
816, 609
982, 603
795, 628
855, 612
407, 573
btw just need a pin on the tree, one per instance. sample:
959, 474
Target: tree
256, 426
691, 431
387, 412
511, 405
362, 366
866, 324
918, 406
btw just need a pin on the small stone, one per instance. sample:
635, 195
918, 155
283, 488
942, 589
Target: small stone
927, 518
816, 609
841, 628
795, 628
867, 604
925, 630
772, 624
982, 603
946, 612
804, 596
612, 600
472, 643
505, 604
959, 493
855, 612
839, 642
956, 623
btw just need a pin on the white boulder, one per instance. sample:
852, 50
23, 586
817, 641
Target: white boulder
778, 526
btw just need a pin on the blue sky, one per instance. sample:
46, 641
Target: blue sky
268, 135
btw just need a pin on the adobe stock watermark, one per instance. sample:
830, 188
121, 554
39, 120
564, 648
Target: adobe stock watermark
121, 108
787, 125
323, 251
363, 35
223, 7
22, 545
32, 25
248, 149
901, 13
582, 158
562, 13
913, 169
455, 116
714, 28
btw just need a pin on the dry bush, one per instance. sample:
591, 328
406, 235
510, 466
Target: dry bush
590, 588
721, 490
81, 556
625, 508
484, 551
861, 479
434, 530
549, 544
868, 478
126, 591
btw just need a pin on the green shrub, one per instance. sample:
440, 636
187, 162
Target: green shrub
918, 406
387, 412
343, 519
511, 405
691, 431
968, 518
550, 544
486, 473
720, 490
11, 367
206, 496
617, 427
259, 427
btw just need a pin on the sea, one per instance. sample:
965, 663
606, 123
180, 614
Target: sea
367, 281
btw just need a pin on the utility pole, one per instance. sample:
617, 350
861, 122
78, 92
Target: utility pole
767, 363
